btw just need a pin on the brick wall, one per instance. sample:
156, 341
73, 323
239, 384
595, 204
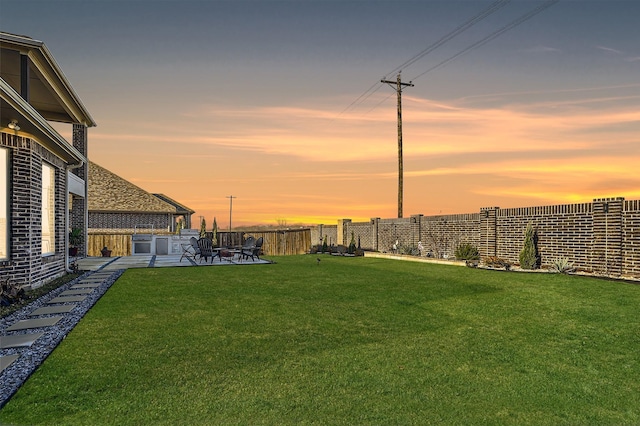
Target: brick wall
631, 238
122, 220
319, 232
27, 266
563, 231
602, 236
362, 233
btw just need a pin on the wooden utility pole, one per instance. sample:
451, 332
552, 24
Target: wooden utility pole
230, 197
398, 87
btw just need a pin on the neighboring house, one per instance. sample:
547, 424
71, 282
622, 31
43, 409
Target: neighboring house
117, 205
182, 212
42, 176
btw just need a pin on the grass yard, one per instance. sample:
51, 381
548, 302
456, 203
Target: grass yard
348, 341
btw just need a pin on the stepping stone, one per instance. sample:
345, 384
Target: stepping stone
76, 291
65, 299
57, 309
19, 340
83, 284
6, 361
34, 323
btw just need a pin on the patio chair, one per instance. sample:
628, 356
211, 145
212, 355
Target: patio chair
253, 251
248, 245
191, 250
206, 249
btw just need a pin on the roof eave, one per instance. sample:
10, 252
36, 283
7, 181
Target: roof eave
60, 146
42, 58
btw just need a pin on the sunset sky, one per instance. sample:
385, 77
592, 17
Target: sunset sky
269, 101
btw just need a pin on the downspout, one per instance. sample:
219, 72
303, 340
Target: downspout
67, 223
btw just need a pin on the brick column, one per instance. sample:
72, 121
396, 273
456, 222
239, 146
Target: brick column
342, 232
79, 215
416, 228
488, 231
374, 233
606, 255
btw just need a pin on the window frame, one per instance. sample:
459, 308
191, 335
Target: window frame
48, 210
5, 183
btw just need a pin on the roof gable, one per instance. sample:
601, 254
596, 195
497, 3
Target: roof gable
109, 192
50, 92
180, 208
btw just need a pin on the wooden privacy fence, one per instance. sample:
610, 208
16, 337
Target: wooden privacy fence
276, 243
119, 244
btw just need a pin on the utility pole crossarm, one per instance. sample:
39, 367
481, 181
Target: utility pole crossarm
410, 84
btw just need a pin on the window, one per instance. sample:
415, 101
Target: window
4, 204
48, 209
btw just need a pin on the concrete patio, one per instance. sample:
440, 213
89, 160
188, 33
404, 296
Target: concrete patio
158, 261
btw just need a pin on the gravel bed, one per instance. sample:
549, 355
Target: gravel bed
31, 357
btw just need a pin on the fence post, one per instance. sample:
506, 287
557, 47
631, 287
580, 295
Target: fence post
416, 229
342, 231
375, 221
488, 231
606, 243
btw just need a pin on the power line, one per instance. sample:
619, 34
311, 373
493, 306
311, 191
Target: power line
494, 7
493, 35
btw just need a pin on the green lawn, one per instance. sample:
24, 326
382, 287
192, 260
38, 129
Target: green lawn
348, 341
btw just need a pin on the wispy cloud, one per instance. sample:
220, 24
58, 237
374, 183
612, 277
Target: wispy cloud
627, 57
609, 49
542, 49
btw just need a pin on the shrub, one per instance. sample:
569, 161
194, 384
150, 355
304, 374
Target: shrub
352, 244
529, 258
325, 247
467, 251
562, 266
496, 262
75, 237
409, 250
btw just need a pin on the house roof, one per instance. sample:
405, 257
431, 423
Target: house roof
49, 90
14, 107
109, 192
180, 208
50, 96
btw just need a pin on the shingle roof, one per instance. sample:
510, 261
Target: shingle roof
180, 208
109, 192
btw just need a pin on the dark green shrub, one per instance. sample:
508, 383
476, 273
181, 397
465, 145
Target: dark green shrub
467, 251
352, 244
325, 247
529, 258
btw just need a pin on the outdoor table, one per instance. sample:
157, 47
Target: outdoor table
225, 252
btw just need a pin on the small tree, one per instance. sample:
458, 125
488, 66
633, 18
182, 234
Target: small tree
179, 226
325, 247
352, 244
529, 258
214, 232
203, 228
467, 251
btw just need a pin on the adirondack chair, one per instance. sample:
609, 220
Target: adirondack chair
191, 250
206, 249
254, 251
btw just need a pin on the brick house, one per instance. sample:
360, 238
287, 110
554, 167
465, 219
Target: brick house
42, 175
117, 205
